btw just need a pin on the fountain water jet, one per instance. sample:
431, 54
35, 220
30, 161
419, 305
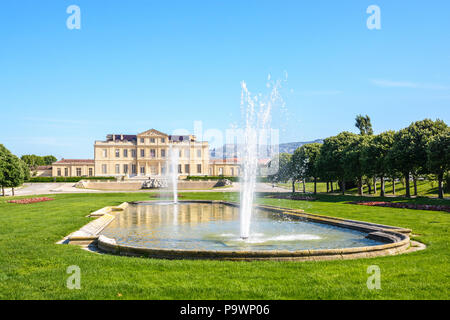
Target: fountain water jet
173, 162
256, 111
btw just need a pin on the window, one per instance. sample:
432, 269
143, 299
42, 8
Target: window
199, 168
133, 169
117, 168
154, 170
143, 170
199, 153
152, 140
163, 170
125, 153
125, 169
187, 154
117, 153
179, 168
142, 153
186, 168
78, 172
181, 154
133, 153
163, 153
91, 172
220, 171
232, 171
104, 171
142, 140
152, 153
163, 140
59, 172
66, 172
105, 153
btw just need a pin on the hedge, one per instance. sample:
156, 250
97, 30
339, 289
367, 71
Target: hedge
66, 179
206, 178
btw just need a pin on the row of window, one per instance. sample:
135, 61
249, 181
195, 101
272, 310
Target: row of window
77, 172
152, 140
152, 153
125, 169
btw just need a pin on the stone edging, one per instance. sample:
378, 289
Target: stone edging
396, 239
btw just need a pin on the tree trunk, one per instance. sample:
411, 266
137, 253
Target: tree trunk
293, 186
304, 186
328, 186
369, 186
382, 186
3, 190
393, 186
332, 191
440, 187
408, 192
12, 191
375, 185
360, 186
343, 186
315, 185
415, 185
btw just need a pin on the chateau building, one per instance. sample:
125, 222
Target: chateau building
147, 154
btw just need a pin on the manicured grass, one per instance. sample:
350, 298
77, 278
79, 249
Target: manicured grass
424, 188
32, 266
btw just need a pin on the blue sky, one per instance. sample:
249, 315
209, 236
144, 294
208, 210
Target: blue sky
137, 65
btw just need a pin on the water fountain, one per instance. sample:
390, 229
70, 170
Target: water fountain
256, 111
174, 156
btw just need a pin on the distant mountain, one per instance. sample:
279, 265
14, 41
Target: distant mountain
231, 149
290, 147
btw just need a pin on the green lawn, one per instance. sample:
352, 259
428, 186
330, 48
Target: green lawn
424, 188
32, 266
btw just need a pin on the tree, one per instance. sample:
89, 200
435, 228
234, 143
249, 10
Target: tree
409, 151
438, 153
351, 160
364, 125
48, 160
375, 159
331, 161
310, 153
12, 170
34, 161
284, 169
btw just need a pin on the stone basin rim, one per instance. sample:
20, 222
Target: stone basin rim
396, 239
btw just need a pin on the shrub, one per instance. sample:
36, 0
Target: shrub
206, 178
66, 179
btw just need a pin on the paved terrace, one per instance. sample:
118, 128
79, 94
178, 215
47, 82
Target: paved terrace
68, 187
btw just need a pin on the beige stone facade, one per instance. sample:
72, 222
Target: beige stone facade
73, 168
224, 167
146, 154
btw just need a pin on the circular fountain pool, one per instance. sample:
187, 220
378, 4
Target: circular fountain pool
211, 230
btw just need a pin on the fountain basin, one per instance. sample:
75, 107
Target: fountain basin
209, 230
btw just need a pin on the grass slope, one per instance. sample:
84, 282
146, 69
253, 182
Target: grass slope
32, 266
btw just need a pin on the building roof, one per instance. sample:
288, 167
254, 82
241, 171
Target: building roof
44, 168
121, 137
79, 161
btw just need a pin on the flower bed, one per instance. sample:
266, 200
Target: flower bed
30, 200
291, 196
403, 205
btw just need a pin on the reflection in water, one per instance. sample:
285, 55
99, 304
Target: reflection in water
206, 226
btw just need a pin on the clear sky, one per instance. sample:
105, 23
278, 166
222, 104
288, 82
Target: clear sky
136, 65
